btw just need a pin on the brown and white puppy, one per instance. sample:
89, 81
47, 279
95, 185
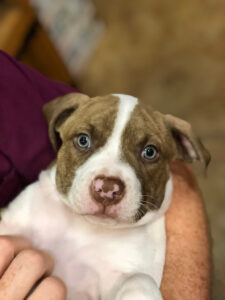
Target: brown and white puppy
100, 208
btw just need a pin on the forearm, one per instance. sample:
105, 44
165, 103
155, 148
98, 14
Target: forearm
188, 262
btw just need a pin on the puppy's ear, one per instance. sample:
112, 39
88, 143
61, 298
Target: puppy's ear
188, 146
57, 111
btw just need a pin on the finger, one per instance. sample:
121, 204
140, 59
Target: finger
9, 247
49, 288
24, 271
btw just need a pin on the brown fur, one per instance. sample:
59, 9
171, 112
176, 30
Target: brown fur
58, 110
90, 116
181, 128
146, 127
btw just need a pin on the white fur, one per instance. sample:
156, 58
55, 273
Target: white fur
115, 262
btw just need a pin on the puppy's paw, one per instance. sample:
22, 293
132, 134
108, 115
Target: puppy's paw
139, 287
140, 295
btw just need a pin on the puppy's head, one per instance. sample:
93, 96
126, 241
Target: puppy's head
114, 154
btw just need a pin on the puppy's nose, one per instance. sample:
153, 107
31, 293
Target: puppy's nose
107, 190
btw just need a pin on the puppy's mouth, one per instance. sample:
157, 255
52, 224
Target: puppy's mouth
102, 216
108, 221
104, 212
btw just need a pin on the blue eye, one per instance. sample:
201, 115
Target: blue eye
84, 141
150, 152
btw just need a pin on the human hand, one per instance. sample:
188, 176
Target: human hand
25, 272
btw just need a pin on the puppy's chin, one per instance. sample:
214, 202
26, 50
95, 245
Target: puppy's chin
97, 218
108, 222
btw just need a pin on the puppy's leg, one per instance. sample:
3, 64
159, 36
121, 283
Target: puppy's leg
138, 287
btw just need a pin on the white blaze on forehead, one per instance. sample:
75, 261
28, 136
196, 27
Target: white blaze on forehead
126, 106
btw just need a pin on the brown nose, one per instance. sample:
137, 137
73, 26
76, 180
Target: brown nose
107, 190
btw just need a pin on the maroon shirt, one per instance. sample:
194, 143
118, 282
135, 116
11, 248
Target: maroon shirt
24, 145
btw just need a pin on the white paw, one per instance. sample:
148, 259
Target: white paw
139, 287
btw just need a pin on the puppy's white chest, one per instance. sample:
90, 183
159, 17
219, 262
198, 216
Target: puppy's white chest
95, 260
98, 262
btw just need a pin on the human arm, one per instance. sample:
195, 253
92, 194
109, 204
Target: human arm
187, 272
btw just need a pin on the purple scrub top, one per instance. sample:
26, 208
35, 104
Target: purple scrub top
25, 149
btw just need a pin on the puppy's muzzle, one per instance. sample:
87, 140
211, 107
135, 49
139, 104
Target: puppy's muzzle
107, 190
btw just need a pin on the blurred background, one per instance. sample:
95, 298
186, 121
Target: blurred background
170, 54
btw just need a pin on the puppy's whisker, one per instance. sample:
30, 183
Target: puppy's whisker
148, 205
149, 196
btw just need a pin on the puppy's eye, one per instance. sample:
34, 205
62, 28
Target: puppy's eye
150, 153
83, 141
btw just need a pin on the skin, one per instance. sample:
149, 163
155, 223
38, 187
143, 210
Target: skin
21, 266
187, 268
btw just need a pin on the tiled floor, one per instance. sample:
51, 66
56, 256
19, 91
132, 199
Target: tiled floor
172, 55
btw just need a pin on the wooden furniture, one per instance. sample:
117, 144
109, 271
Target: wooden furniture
22, 36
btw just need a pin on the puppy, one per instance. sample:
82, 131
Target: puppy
99, 209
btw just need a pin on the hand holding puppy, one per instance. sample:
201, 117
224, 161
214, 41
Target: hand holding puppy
21, 267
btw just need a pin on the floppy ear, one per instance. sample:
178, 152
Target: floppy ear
58, 110
188, 146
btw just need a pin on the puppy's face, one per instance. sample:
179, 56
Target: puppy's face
113, 161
